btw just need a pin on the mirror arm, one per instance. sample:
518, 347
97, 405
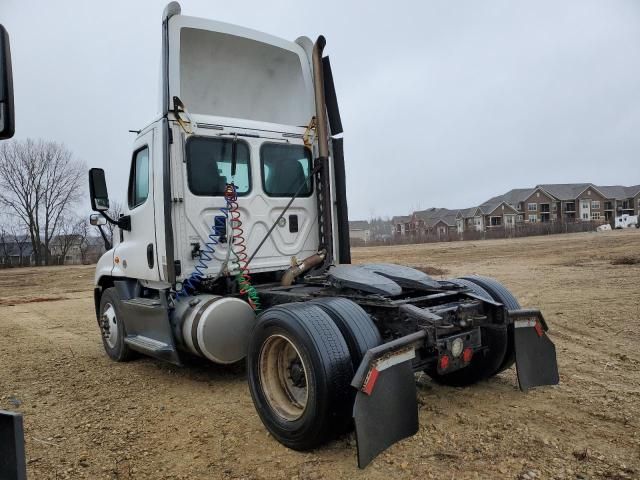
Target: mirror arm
124, 222
107, 243
109, 219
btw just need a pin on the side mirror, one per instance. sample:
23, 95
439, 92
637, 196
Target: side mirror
97, 220
98, 190
7, 114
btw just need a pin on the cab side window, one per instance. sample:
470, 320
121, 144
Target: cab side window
139, 178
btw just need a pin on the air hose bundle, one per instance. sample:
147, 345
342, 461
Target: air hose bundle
206, 255
240, 265
236, 246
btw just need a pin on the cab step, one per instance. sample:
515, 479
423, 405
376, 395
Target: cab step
146, 322
147, 345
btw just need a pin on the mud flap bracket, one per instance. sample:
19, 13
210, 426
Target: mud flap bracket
536, 361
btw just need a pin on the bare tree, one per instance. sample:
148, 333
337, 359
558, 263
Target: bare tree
21, 241
39, 181
5, 246
66, 238
83, 231
13, 240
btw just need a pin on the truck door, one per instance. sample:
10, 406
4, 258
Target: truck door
136, 254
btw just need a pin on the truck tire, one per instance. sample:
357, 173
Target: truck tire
500, 294
112, 328
299, 372
356, 326
481, 368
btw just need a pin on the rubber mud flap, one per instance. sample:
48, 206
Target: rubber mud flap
536, 361
12, 458
388, 414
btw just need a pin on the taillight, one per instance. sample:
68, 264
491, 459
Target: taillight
467, 355
444, 362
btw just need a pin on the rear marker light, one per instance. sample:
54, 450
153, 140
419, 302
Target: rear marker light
467, 355
382, 364
444, 362
371, 381
538, 327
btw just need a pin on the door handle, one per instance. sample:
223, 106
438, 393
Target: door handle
150, 255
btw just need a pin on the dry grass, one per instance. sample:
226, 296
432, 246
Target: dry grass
434, 271
626, 260
149, 420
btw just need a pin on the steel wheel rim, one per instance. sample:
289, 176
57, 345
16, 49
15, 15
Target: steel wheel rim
283, 377
109, 325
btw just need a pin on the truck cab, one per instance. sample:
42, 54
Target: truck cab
238, 109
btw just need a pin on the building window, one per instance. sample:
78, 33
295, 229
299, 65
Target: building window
585, 204
532, 207
608, 206
554, 206
520, 218
533, 218
595, 216
585, 216
595, 204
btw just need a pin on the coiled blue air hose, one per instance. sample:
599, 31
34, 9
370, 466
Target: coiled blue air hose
206, 256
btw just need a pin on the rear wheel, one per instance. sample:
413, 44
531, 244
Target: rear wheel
354, 323
484, 364
299, 375
501, 294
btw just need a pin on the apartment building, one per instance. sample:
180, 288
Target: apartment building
359, 230
571, 202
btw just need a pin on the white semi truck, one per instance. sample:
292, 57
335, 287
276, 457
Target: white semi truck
235, 245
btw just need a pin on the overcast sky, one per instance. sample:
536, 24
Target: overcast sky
443, 103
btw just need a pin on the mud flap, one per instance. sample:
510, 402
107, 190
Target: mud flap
12, 459
536, 361
388, 414
386, 406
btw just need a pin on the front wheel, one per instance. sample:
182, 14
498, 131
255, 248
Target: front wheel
112, 327
299, 373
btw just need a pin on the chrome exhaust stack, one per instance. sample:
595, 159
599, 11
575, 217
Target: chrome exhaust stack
325, 203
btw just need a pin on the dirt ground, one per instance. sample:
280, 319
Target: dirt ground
88, 417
